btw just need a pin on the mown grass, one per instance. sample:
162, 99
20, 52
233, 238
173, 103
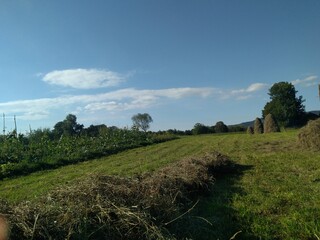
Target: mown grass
275, 193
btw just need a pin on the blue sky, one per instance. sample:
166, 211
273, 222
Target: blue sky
181, 61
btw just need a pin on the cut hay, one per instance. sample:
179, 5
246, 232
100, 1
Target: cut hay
258, 126
270, 125
109, 207
309, 135
250, 130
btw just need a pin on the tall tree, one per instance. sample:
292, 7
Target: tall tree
220, 127
68, 127
142, 121
285, 107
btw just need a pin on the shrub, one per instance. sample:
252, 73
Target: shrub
309, 136
258, 127
270, 125
250, 130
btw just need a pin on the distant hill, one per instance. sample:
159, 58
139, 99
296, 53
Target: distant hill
315, 112
247, 124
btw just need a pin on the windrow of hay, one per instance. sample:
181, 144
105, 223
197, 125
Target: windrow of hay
109, 207
309, 135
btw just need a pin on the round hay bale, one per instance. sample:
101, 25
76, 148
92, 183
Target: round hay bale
309, 135
250, 130
270, 125
258, 127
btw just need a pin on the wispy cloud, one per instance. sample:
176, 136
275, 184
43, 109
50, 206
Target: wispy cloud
120, 100
84, 78
307, 82
244, 93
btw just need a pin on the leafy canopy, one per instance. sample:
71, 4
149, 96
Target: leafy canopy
142, 121
286, 108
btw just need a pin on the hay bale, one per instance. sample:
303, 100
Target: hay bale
258, 127
270, 125
309, 135
250, 130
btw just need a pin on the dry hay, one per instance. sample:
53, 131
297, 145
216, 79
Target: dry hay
109, 207
309, 135
270, 125
250, 130
258, 126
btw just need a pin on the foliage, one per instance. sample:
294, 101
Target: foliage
286, 108
220, 127
236, 128
68, 127
200, 128
258, 126
42, 150
309, 136
142, 121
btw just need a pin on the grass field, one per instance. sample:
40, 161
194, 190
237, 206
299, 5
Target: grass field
275, 194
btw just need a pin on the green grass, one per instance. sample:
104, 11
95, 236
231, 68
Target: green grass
275, 194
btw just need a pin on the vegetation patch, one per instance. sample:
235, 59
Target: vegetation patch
309, 136
108, 207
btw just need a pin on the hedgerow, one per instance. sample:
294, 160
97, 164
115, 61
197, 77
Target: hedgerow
22, 155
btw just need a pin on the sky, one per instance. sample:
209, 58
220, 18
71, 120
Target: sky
181, 61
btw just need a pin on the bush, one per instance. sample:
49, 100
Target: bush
270, 125
258, 127
309, 136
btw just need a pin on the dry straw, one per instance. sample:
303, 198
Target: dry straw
309, 135
250, 130
270, 125
258, 127
109, 207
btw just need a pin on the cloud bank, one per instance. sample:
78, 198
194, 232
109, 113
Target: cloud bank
120, 100
83, 78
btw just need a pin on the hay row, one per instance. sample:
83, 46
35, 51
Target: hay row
109, 207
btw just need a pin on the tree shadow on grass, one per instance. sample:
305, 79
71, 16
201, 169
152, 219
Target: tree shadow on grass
213, 217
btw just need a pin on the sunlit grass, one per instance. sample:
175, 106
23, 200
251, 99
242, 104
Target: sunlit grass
275, 194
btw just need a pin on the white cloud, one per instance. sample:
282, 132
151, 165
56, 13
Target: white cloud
83, 78
307, 82
252, 88
244, 93
120, 100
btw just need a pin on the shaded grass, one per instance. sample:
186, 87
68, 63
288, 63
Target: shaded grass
274, 195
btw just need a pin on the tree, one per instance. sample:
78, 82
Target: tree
142, 121
285, 107
199, 128
68, 127
220, 127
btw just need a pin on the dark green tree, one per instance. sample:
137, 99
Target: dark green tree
142, 121
220, 127
200, 128
68, 127
286, 108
